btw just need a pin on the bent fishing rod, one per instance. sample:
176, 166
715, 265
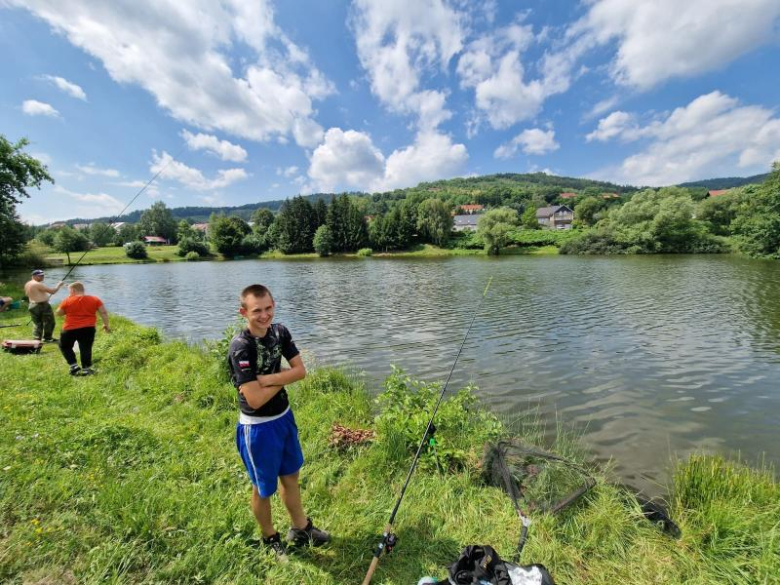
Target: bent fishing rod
111, 224
388, 538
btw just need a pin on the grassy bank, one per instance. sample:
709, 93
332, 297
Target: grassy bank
116, 255
131, 476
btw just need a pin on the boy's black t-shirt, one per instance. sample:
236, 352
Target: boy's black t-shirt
251, 356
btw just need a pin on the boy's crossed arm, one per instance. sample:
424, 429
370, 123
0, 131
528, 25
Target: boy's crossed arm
261, 390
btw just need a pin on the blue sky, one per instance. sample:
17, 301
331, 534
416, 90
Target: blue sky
240, 102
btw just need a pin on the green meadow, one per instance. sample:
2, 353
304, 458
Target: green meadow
131, 476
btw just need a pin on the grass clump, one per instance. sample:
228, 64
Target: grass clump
131, 476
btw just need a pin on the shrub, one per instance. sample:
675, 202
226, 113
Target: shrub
136, 250
188, 245
460, 424
323, 241
34, 254
365, 252
192, 257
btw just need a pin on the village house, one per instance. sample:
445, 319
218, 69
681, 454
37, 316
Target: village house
118, 225
465, 222
556, 217
471, 209
716, 192
568, 195
201, 227
610, 196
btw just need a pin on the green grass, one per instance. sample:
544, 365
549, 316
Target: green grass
131, 476
116, 255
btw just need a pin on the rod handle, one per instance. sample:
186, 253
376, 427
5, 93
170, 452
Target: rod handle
371, 569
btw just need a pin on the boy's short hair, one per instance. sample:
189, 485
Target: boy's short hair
255, 290
76, 287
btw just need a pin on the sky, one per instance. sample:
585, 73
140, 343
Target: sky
236, 102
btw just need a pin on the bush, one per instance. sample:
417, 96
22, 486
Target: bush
365, 252
192, 257
136, 250
34, 254
188, 245
323, 241
460, 424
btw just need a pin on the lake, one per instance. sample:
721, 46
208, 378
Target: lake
648, 357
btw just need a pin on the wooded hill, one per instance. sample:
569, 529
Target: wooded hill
487, 189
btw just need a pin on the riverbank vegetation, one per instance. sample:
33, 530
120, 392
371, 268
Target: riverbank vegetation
608, 219
131, 476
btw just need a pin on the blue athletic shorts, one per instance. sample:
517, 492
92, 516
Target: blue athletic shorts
269, 450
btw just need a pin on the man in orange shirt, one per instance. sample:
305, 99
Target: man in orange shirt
79, 310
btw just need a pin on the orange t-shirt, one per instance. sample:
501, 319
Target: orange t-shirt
80, 311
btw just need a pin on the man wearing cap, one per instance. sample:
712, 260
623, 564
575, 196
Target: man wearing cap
40, 309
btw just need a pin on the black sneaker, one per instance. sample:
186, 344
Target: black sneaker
275, 545
309, 535
87, 372
75, 370
51, 340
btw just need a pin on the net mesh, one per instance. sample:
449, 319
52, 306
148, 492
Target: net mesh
535, 479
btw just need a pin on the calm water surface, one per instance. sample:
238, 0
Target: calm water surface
648, 357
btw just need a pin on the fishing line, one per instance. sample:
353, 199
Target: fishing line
111, 224
388, 539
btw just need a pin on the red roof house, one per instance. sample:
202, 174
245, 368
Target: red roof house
716, 192
472, 208
568, 195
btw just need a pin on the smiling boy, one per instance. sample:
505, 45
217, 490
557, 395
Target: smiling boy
266, 434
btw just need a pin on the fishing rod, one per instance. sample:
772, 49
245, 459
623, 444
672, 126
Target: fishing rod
388, 538
111, 224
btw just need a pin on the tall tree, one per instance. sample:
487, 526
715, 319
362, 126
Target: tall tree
296, 224
227, 234
101, 233
18, 172
158, 221
758, 227
13, 234
69, 240
494, 227
434, 221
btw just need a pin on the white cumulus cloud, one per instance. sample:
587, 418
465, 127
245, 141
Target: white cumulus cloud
91, 169
714, 135
67, 86
180, 53
89, 205
222, 148
174, 170
397, 43
36, 108
663, 39
350, 159
530, 141
493, 66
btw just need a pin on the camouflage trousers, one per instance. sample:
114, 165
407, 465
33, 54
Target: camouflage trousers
43, 320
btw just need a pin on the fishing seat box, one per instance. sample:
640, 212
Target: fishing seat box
22, 345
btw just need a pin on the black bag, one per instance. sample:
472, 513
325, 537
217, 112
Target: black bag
478, 564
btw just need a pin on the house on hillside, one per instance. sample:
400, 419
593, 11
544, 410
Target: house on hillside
201, 227
471, 209
155, 241
465, 222
118, 225
556, 217
716, 192
610, 196
568, 195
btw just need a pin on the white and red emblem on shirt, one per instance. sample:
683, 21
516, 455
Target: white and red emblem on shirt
243, 364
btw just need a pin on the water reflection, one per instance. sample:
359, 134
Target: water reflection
647, 356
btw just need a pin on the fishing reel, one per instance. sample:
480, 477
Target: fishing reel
392, 540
